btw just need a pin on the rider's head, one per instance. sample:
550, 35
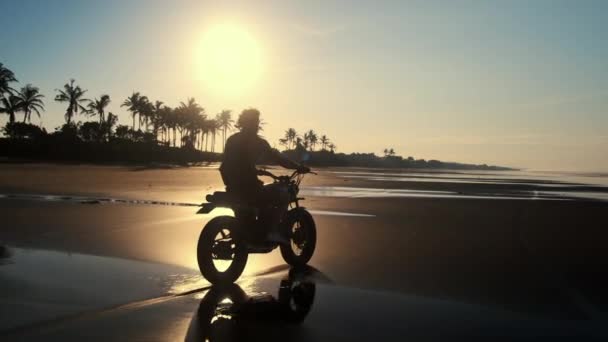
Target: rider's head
249, 121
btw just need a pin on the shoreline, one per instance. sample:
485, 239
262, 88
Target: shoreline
7, 160
175, 183
56, 147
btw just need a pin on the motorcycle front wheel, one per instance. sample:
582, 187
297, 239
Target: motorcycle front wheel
302, 233
221, 255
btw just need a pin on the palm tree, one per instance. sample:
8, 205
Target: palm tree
146, 111
156, 123
196, 128
284, 142
389, 152
299, 144
143, 110
208, 130
290, 135
203, 128
29, 99
162, 117
332, 147
191, 107
134, 105
324, 142
158, 105
178, 123
108, 124
6, 77
186, 115
73, 95
225, 121
171, 123
10, 106
310, 139
98, 107
213, 128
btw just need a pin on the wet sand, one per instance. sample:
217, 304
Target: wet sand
537, 257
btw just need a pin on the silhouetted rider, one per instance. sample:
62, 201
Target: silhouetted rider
243, 151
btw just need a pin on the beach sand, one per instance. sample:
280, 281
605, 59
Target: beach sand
539, 257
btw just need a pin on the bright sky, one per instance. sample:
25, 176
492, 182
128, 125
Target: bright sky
516, 83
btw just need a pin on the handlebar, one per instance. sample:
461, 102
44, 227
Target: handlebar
266, 173
275, 177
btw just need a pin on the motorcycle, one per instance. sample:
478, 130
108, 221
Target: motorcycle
226, 241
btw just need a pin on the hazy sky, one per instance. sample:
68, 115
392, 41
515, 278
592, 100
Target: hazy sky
516, 83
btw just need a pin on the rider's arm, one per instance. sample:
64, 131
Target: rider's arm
284, 161
276, 156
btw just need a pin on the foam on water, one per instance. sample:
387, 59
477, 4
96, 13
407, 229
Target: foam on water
529, 185
354, 192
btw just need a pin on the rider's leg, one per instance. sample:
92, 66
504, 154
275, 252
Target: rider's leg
249, 194
274, 208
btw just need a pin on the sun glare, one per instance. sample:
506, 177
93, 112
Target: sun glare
230, 59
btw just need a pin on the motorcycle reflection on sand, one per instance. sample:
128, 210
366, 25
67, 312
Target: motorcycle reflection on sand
227, 313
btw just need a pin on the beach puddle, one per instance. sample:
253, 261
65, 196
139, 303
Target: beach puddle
92, 200
38, 285
520, 179
338, 213
469, 180
576, 195
495, 185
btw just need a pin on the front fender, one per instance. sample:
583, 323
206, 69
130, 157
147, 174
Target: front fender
206, 208
300, 213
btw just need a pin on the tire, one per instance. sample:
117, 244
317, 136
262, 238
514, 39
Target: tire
309, 232
205, 248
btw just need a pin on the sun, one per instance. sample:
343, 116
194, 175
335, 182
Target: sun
230, 58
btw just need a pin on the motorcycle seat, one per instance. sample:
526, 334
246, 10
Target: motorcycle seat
223, 197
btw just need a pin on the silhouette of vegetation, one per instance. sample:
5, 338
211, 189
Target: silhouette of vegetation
6, 77
164, 134
10, 106
225, 121
29, 100
389, 152
22, 130
303, 148
98, 107
134, 104
73, 95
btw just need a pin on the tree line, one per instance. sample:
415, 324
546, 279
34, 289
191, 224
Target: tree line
292, 140
185, 125
158, 132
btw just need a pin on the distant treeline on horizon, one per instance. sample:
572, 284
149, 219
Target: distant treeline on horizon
181, 135
72, 148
